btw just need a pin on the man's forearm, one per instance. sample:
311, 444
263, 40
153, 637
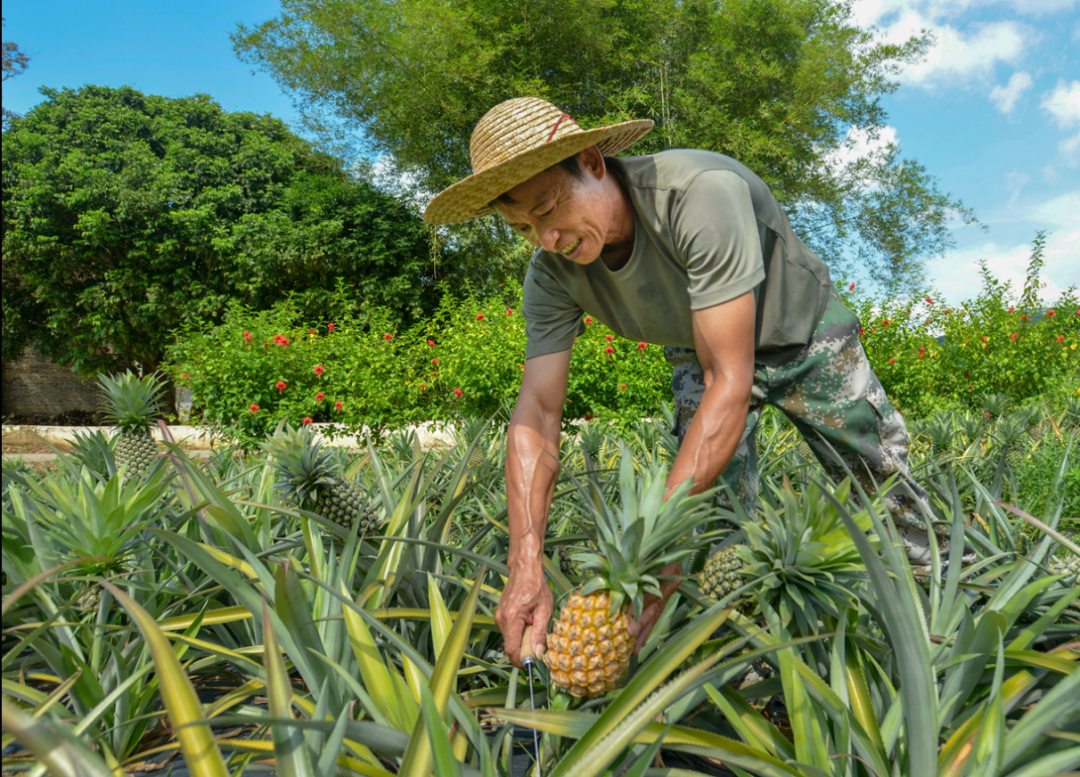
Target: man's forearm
714, 435
532, 466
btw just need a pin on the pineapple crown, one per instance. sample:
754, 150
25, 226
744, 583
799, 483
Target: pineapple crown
130, 401
302, 466
809, 557
641, 535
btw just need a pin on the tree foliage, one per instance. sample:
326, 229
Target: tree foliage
126, 215
14, 61
777, 84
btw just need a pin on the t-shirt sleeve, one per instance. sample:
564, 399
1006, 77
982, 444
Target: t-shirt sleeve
552, 318
713, 226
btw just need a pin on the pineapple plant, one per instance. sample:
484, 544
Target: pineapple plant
131, 403
590, 647
307, 478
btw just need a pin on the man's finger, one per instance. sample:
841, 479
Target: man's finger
512, 639
541, 618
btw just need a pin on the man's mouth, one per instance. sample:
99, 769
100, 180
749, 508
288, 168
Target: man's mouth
570, 248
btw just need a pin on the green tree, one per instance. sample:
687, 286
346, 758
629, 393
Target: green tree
126, 215
777, 84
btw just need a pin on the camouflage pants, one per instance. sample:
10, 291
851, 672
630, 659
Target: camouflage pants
830, 390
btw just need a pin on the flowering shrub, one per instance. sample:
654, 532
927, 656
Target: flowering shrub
468, 359
930, 356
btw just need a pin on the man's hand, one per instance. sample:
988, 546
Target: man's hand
654, 607
526, 601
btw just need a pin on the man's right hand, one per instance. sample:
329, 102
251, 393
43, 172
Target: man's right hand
526, 601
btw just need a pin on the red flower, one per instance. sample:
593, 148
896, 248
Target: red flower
480, 317
280, 386
458, 392
642, 346
431, 343
622, 387
281, 340
311, 331
1011, 309
609, 338
253, 408
862, 331
330, 326
185, 376
338, 406
387, 337
892, 361
589, 416
927, 321
1012, 336
423, 386
307, 420
986, 415
434, 361
509, 311
609, 350
318, 370
522, 366
885, 321
247, 335
983, 339
967, 374
851, 287
1050, 313
588, 319
320, 397
930, 300
1061, 338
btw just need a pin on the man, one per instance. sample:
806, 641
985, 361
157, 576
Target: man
688, 249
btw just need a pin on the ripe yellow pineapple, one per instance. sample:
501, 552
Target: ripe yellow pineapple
591, 644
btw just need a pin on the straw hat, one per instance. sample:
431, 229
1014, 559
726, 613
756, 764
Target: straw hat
514, 141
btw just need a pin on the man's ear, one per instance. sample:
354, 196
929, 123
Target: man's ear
592, 159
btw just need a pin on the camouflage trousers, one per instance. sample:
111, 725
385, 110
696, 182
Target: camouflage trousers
830, 390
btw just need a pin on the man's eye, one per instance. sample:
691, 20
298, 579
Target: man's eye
547, 212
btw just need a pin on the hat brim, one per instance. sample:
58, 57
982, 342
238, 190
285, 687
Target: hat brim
470, 197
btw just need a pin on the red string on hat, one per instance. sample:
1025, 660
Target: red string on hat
556, 127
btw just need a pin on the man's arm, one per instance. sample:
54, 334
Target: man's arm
532, 467
724, 340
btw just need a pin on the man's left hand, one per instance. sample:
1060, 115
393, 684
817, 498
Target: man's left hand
654, 606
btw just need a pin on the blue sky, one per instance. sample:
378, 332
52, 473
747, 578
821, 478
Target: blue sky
993, 111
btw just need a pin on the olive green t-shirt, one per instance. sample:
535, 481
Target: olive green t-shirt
706, 230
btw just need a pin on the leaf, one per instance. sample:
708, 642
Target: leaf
181, 703
291, 755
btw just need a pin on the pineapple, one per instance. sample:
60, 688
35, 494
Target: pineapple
722, 573
308, 479
567, 565
590, 648
1069, 565
131, 403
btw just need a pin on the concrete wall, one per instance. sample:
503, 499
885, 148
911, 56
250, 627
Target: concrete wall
33, 385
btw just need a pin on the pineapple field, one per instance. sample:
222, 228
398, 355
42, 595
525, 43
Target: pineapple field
297, 609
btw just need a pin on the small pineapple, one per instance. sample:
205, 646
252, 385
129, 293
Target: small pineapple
589, 651
131, 403
1068, 565
89, 599
308, 479
722, 573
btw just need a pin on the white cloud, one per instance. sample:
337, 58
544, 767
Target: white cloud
1069, 151
958, 56
1063, 103
1005, 97
1050, 174
956, 275
1015, 182
859, 144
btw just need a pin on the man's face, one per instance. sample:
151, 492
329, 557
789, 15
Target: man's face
563, 214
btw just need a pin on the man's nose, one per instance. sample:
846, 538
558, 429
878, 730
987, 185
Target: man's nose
549, 238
